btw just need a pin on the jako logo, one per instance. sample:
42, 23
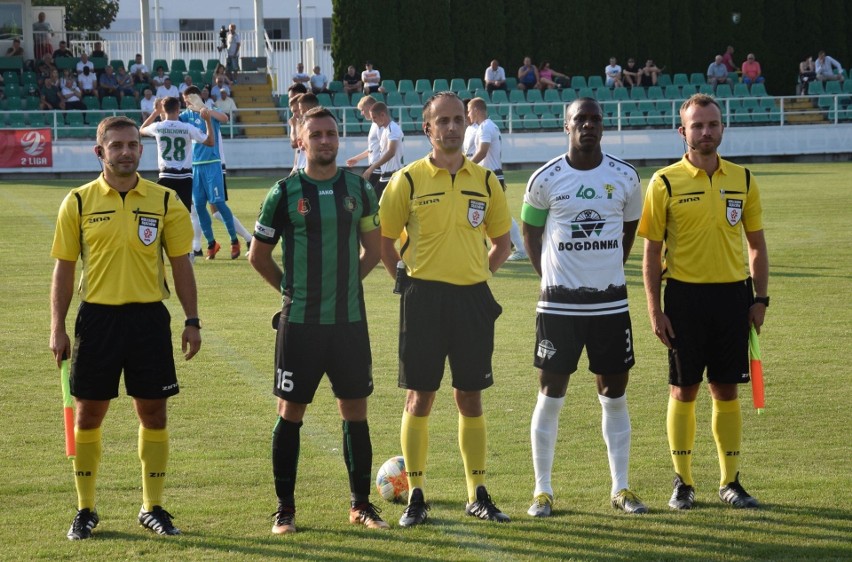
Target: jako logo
33, 143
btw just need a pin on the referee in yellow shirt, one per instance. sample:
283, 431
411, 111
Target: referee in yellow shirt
445, 208
120, 225
698, 209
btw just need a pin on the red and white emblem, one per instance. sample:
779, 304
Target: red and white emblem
734, 211
148, 228
303, 206
475, 212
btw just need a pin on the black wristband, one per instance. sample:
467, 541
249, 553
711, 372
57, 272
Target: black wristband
194, 322
762, 300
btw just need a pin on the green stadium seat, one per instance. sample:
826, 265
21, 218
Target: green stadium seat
66, 63
422, 85
595, 81
531, 122
389, 86
638, 94
13, 103
501, 100
198, 78
340, 99
609, 108
831, 87
666, 107
11, 77
474, 84
706, 89
354, 98
522, 109
411, 98
210, 66
409, 126
351, 123
605, 94
680, 79
179, 65
378, 96
585, 93
741, 90
394, 99
646, 106
826, 102
740, 116
620, 94
99, 62
405, 86
636, 119
440, 85
515, 96
654, 118
162, 62
688, 90
176, 77
458, 84
551, 96
30, 80
578, 82
196, 64
664, 80
117, 63
816, 88
723, 91
511, 82
671, 93
335, 86
41, 118
568, 95
534, 96
91, 103
483, 94
427, 94
18, 120
13, 90
696, 79
325, 100
847, 87
109, 102
655, 93
15, 64
129, 103
32, 103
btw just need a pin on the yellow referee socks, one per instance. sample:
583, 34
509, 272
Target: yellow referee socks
728, 432
680, 426
154, 453
86, 465
414, 438
472, 443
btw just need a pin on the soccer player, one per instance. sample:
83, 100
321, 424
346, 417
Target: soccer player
487, 145
329, 223
580, 214
208, 183
374, 147
447, 208
174, 146
694, 217
391, 155
120, 225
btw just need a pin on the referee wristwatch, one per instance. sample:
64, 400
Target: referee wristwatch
194, 322
762, 300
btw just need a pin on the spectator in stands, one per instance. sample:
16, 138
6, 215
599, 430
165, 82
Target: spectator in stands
209, 102
728, 60
42, 33
527, 75
168, 90
319, 82
187, 82
632, 73
233, 42
218, 86
548, 78
139, 71
300, 76
83, 63
109, 84
751, 71
72, 95
88, 82
15, 50
44, 68
372, 79
495, 77
225, 104
612, 74
51, 96
807, 74
125, 84
650, 74
717, 73
827, 68
98, 52
62, 51
147, 104
223, 72
159, 78
351, 81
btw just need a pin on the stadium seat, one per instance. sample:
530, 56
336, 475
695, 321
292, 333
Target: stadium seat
654, 118
706, 89
41, 118
482, 93
578, 82
117, 63
474, 84
422, 85
680, 79
109, 102
394, 99
11, 77
595, 81
405, 86
30, 80
740, 116
162, 62
723, 91
91, 103
335, 86
636, 119
340, 99
516, 96
411, 98
816, 88
609, 108
501, 100
605, 94
196, 64
210, 66
664, 80
531, 122
637, 94
129, 103
550, 121
198, 78
176, 77
458, 84
826, 102
13, 89
847, 87
568, 95
511, 82
741, 90
32, 103
13, 103
378, 96
389, 86
688, 90
465, 94
585, 93
440, 85
551, 96
351, 121
324, 100
522, 109
831, 87
18, 120
655, 93
696, 79
671, 93
646, 106
667, 107
179, 65
620, 94
534, 96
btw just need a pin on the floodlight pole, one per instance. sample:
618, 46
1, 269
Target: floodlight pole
301, 39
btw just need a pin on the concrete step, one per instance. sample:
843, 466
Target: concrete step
258, 132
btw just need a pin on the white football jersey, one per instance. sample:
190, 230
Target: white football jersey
582, 253
174, 143
487, 131
374, 145
469, 144
388, 134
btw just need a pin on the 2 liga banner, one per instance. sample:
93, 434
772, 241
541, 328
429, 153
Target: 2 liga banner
26, 148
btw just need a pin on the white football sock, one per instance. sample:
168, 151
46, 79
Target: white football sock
615, 424
543, 431
196, 230
238, 226
517, 239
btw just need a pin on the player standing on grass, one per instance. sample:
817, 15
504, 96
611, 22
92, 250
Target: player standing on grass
697, 209
119, 226
580, 214
328, 219
446, 208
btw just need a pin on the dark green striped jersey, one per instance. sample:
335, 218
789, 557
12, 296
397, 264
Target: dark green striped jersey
320, 222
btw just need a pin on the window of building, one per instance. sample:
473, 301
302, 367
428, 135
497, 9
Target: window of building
326, 30
277, 28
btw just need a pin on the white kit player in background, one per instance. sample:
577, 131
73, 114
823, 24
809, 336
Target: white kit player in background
580, 215
487, 151
391, 138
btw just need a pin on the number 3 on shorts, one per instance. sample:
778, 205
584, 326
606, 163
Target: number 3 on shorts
283, 380
629, 341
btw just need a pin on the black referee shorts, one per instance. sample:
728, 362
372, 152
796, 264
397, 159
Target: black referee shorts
440, 321
710, 322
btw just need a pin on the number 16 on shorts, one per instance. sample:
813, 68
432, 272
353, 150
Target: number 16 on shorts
283, 380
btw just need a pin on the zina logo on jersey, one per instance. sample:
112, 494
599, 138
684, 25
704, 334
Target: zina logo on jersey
587, 223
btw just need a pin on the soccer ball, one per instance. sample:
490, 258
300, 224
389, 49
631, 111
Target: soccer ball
391, 480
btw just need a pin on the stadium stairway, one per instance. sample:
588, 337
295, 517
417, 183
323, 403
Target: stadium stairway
803, 110
254, 90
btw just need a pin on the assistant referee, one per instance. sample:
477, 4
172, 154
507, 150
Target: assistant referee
120, 225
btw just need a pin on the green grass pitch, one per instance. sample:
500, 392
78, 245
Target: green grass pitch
795, 458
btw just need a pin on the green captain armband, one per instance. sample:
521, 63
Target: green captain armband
533, 216
369, 223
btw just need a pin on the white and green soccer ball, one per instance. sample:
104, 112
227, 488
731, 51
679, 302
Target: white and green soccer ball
392, 481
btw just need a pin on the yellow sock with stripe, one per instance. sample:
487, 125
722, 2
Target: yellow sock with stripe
414, 438
154, 454
680, 426
472, 443
728, 433
86, 463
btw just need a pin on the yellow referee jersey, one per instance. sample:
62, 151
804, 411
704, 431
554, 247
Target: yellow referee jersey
701, 220
443, 221
121, 241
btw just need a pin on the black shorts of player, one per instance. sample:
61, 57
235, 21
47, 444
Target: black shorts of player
384, 180
225, 181
560, 339
710, 322
374, 179
182, 186
134, 338
304, 352
440, 321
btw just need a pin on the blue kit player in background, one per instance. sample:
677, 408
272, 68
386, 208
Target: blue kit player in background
208, 183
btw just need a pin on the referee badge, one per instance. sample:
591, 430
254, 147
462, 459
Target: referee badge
148, 227
475, 212
734, 211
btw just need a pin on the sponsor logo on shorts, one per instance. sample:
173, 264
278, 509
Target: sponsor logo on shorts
264, 230
148, 227
170, 386
545, 350
303, 206
475, 212
628, 359
734, 211
487, 376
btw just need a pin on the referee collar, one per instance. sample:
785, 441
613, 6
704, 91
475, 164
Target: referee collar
695, 171
105, 188
435, 170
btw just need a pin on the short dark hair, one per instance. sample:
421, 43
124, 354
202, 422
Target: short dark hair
309, 99
427, 105
297, 88
318, 113
114, 122
192, 90
171, 104
701, 100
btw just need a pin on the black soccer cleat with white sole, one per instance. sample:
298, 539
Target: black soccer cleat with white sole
158, 520
82, 525
734, 494
416, 511
484, 508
